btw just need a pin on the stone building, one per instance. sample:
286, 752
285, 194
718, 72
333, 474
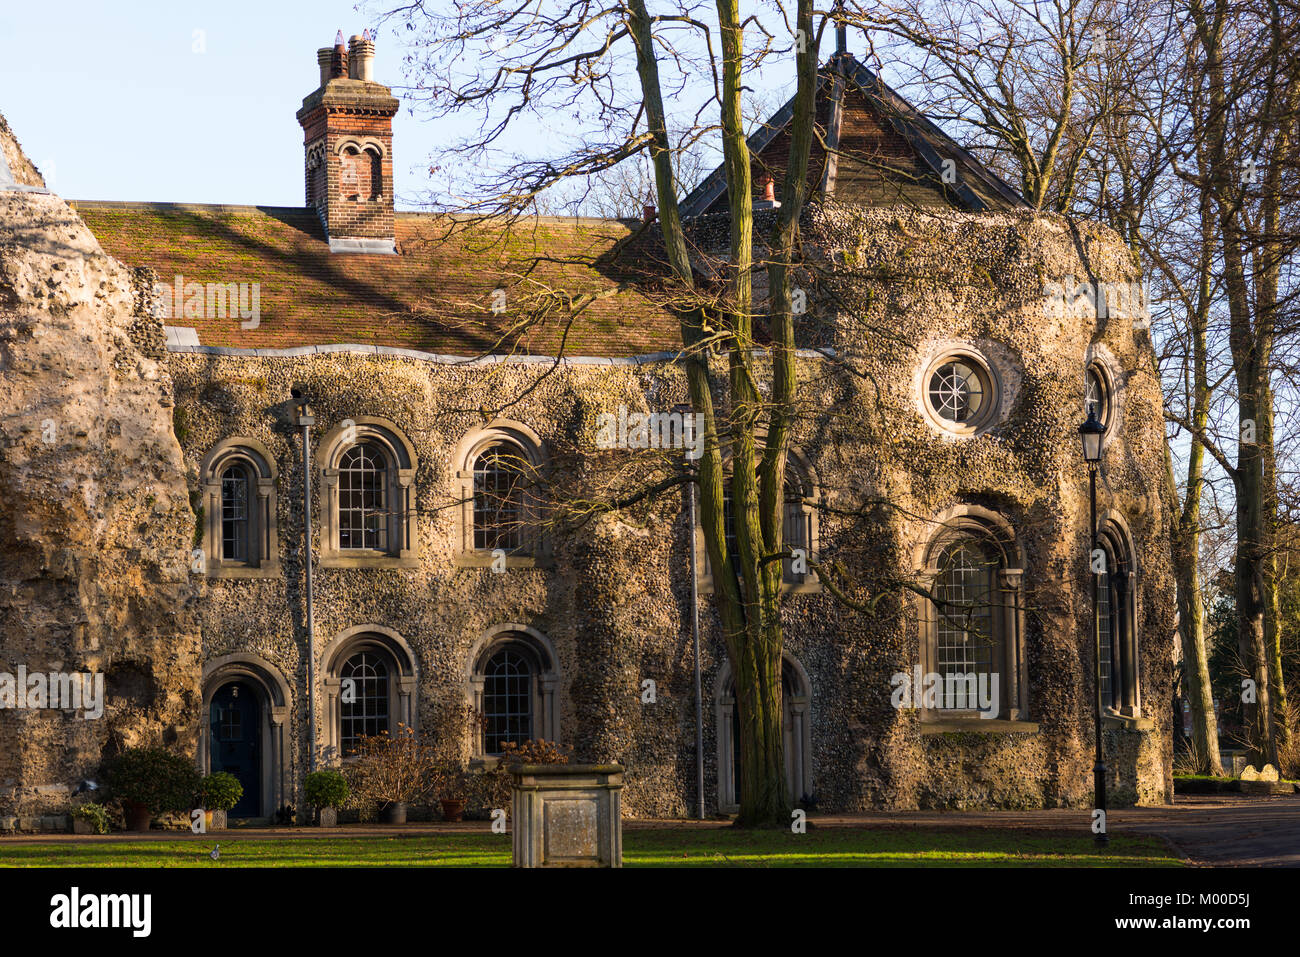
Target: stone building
947, 364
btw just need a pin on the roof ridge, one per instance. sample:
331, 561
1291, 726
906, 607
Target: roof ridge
156, 207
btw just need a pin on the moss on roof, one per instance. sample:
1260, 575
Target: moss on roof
435, 296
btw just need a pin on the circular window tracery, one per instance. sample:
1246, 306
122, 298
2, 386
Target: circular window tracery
960, 393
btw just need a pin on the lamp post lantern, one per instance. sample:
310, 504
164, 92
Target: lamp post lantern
1091, 433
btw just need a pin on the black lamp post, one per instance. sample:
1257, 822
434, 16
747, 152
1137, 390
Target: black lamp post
1091, 433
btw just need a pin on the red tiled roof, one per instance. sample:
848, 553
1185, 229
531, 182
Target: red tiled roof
436, 296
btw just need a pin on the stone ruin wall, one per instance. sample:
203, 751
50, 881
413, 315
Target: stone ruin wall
96, 524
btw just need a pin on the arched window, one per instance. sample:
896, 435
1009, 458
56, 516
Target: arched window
364, 704
971, 645
369, 679
234, 514
512, 684
367, 495
507, 699
1097, 394
239, 504
1116, 604
796, 728
376, 173
967, 611
363, 498
799, 528
497, 478
499, 512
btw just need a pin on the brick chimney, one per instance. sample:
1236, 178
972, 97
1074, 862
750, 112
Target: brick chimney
347, 128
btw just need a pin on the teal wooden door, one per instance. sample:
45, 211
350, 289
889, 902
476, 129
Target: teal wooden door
235, 737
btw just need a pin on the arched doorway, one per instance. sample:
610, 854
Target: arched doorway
796, 696
243, 730
234, 742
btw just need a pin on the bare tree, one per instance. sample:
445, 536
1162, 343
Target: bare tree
508, 63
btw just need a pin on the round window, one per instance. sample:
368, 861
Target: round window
1097, 396
960, 393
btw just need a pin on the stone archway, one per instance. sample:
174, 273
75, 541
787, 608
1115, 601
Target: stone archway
270, 711
796, 727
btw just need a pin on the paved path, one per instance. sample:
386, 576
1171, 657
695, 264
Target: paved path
1225, 830
1209, 830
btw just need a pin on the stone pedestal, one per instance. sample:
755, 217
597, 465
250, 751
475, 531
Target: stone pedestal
568, 815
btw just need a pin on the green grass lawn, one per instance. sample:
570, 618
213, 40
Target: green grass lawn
663, 847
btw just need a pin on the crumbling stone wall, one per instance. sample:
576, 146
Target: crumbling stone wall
96, 525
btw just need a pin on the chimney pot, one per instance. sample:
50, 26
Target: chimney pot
339, 58
324, 58
361, 58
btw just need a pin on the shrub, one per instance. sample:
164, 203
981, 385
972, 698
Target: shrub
492, 789
326, 789
94, 814
219, 792
391, 769
156, 778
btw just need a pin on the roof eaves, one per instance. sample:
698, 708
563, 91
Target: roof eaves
921, 133
715, 184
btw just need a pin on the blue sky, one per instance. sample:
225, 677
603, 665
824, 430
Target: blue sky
116, 101
183, 101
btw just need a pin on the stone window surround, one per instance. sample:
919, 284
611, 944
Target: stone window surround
263, 532
1112, 527
535, 551
403, 682
810, 488
276, 705
403, 529
1098, 357
992, 412
997, 532
546, 717
798, 746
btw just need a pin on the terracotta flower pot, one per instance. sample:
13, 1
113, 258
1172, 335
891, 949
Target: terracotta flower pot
453, 809
137, 815
395, 813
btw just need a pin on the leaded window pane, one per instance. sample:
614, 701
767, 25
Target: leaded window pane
507, 700
234, 514
1106, 614
365, 682
956, 391
363, 498
498, 500
965, 619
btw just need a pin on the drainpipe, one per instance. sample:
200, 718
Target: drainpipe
305, 421
686, 410
695, 639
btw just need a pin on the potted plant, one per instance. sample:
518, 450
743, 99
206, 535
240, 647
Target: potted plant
149, 781
326, 791
449, 784
392, 772
90, 819
217, 794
